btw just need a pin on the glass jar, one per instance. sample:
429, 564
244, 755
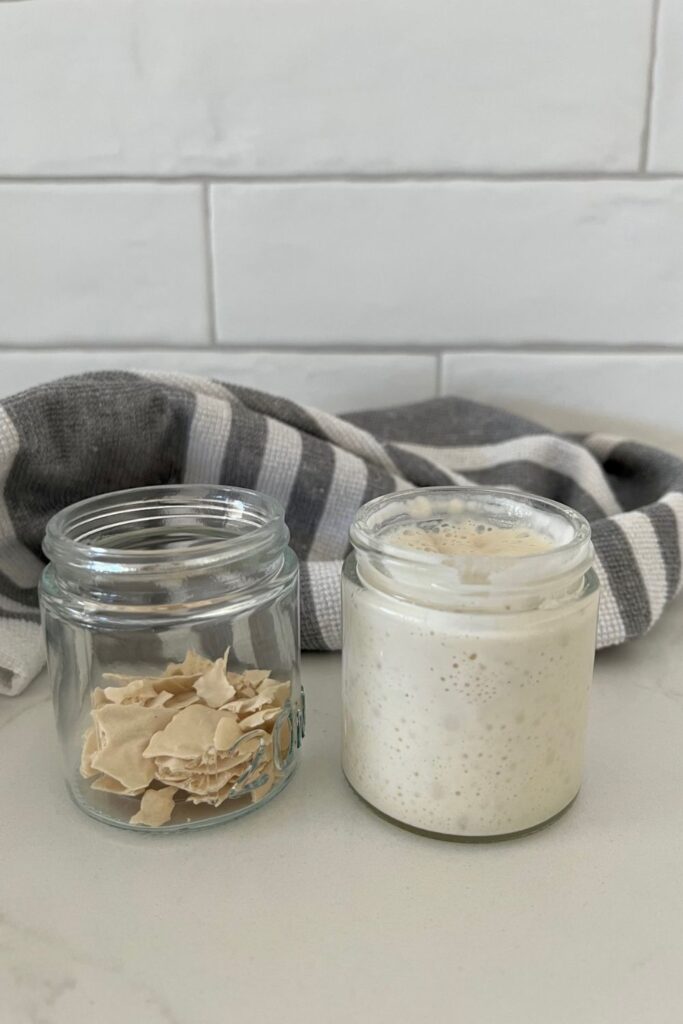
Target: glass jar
469, 618
172, 627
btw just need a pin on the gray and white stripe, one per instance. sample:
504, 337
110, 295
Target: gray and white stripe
18, 565
100, 432
545, 450
208, 440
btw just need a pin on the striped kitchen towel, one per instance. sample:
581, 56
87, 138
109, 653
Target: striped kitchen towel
106, 431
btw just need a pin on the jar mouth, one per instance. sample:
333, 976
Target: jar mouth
168, 527
566, 536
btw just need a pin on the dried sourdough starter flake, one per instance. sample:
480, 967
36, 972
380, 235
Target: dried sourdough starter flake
259, 719
98, 697
254, 676
213, 687
227, 732
177, 685
160, 699
109, 785
195, 729
139, 691
193, 663
123, 733
90, 748
276, 693
156, 807
248, 705
190, 733
182, 700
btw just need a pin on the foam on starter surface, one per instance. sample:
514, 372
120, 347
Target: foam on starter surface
467, 537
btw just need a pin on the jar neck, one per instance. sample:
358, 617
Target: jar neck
148, 539
465, 578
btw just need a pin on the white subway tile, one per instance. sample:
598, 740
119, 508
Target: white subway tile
331, 381
666, 133
102, 263
450, 262
635, 395
282, 86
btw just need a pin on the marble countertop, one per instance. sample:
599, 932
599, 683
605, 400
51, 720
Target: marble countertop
315, 910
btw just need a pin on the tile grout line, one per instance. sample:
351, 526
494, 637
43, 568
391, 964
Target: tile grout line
650, 89
519, 347
439, 374
351, 178
209, 262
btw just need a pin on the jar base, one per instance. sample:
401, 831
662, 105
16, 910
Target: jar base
447, 837
219, 817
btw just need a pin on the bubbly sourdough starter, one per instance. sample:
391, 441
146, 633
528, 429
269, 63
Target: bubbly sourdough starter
470, 724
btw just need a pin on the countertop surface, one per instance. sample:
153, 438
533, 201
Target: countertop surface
315, 910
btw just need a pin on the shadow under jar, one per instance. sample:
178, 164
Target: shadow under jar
469, 634
172, 627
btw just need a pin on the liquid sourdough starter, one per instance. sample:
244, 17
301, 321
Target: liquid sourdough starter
468, 723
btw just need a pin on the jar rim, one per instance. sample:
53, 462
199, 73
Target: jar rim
76, 535
573, 554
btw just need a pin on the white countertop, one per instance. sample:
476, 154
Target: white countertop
315, 910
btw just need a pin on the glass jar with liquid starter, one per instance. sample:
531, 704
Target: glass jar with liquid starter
469, 634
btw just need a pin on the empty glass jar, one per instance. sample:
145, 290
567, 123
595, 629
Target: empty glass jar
172, 627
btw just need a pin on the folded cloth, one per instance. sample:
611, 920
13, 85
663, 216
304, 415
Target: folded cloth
100, 432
